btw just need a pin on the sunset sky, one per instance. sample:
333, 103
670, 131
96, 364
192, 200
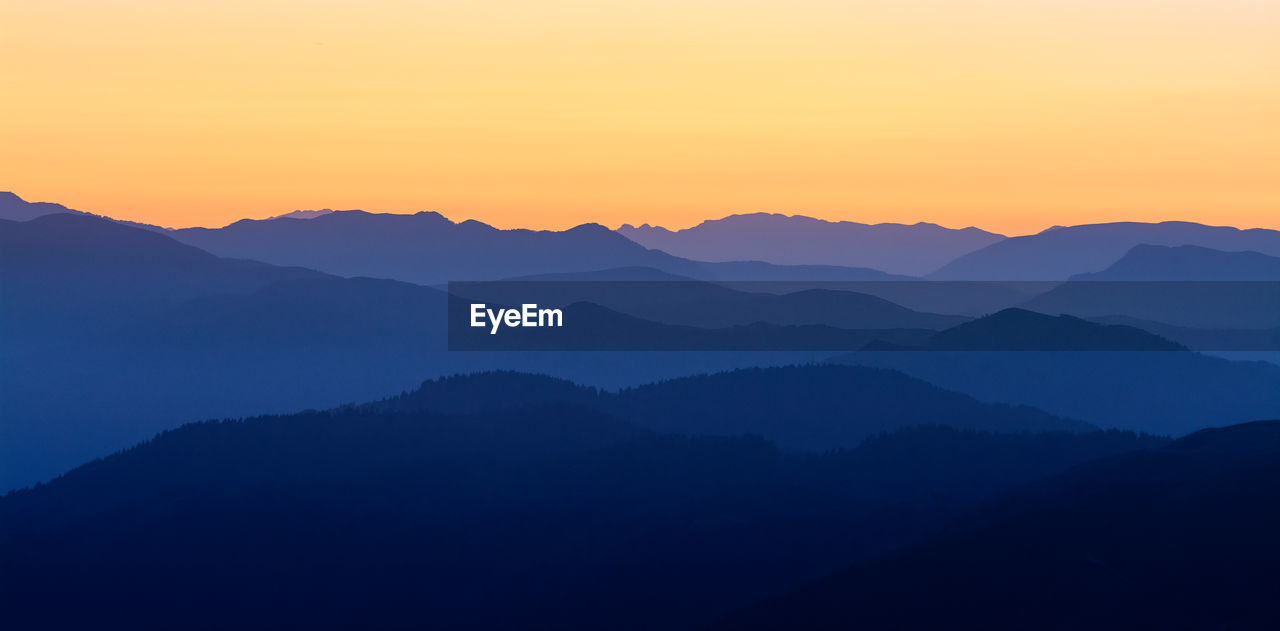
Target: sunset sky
1008, 115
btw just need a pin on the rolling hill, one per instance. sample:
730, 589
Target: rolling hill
1177, 538
799, 407
541, 518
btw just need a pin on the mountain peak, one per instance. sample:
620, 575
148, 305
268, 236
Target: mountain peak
589, 228
303, 214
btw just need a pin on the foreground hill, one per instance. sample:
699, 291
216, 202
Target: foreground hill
797, 240
543, 517
1059, 253
1178, 538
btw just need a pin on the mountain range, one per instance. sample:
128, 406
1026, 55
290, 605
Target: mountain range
951, 473
153, 333
124, 332
913, 250
427, 248
66, 275
1062, 252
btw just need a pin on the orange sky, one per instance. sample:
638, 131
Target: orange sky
1009, 115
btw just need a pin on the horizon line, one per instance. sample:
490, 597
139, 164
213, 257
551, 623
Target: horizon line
618, 227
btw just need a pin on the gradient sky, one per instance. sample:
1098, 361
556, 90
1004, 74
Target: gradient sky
1008, 115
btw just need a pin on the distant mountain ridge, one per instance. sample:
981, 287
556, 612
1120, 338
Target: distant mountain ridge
911, 250
14, 208
428, 248
1061, 253
56, 266
1187, 263
304, 214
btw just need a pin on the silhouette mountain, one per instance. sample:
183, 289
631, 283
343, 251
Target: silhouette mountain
1192, 304
289, 345
1187, 263
14, 208
816, 407
124, 332
1061, 253
1118, 382
66, 275
1178, 538
539, 518
1022, 330
912, 250
303, 214
427, 248
1160, 392
1205, 339
613, 274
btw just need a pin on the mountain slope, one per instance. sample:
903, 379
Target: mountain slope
1143, 382
1179, 538
69, 274
538, 518
1060, 253
14, 208
795, 240
1161, 392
